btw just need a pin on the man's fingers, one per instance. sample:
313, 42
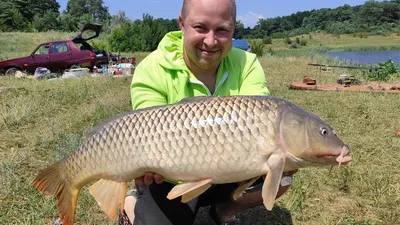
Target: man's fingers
158, 178
148, 178
139, 181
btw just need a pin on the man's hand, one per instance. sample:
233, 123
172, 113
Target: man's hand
148, 178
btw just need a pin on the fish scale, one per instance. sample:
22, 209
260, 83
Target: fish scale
210, 140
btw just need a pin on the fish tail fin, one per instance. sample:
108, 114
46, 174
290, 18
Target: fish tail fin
51, 182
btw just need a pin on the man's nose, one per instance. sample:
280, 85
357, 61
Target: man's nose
210, 40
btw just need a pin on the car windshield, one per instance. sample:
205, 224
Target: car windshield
42, 50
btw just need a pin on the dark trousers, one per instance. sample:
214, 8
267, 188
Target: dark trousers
153, 207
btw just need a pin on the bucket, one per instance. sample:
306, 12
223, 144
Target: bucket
127, 71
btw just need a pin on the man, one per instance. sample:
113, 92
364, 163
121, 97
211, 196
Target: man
196, 61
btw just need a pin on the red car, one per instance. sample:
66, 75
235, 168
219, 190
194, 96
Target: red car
58, 56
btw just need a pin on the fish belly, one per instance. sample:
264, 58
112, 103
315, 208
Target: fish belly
227, 139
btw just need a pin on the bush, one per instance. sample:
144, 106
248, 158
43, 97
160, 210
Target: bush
257, 47
267, 40
383, 72
288, 41
270, 51
303, 42
100, 44
297, 40
293, 45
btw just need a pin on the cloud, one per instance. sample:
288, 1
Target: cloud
250, 19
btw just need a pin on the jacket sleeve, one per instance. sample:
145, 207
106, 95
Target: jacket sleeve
147, 87
253, 81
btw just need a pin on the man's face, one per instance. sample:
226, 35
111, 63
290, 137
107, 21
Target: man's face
207, 29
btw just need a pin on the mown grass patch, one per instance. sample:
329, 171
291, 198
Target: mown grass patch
42, 121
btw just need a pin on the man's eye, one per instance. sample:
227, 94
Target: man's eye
199, 28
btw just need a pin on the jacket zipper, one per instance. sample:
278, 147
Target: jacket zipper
224, 77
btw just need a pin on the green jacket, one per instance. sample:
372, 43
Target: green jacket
163, 77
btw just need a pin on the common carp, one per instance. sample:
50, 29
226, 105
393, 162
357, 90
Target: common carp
199, 141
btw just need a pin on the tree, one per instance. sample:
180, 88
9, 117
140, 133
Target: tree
30, 8
88, 9
46, 22
119, 19
169, 24
68, 23
17, 15
13, 20
371, 12
239, 30
139, 35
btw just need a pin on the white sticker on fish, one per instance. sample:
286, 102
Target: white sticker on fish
203, 123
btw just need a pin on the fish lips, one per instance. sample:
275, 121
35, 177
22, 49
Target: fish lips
342, 158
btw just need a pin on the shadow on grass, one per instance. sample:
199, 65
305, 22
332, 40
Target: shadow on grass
255, 216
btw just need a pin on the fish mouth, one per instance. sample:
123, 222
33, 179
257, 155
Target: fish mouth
342, 158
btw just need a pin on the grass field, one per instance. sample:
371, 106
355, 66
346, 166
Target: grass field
348, 42
20, 44
42, 121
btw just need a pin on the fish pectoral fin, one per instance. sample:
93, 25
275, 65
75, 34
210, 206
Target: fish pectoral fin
242, 187
196, 192
189, 190
109, 195
272, 180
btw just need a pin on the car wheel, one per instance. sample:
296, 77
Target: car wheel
75, 66
11, 71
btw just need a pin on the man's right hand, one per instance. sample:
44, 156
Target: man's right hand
148, 178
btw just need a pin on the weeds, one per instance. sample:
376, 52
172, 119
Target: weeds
257, 47
383, 72
267, 40
288, 41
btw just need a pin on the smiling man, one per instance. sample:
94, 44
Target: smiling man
207, 37
198, 60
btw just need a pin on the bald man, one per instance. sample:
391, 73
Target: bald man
198, 60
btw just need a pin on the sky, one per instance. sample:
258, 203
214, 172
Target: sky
248, 11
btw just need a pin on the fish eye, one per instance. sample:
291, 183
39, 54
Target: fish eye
324, 131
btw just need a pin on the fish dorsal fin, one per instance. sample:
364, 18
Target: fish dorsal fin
243, 186
109, 195
195, 99
270, 188
189, 190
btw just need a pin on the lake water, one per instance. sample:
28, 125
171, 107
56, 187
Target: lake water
368, 56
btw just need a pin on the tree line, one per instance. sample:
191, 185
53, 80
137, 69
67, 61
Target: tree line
125, 35
373, 17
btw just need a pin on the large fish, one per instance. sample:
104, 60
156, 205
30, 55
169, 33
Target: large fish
200, 141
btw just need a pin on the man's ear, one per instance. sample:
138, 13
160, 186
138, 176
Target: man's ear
181, 25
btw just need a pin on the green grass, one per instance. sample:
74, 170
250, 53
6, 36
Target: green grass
18, 44
42, 121
322, 42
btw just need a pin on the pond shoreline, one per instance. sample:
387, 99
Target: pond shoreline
367, 57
